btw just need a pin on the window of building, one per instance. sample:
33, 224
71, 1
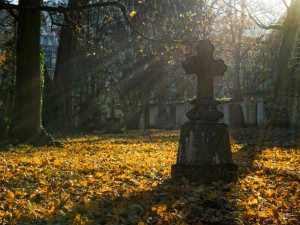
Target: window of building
45, 40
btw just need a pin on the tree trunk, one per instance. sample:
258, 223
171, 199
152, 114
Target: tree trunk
26, 120
61, 96
62, 88
281, 112
46, 110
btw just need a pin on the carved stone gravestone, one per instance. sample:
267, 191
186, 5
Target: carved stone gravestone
204, 153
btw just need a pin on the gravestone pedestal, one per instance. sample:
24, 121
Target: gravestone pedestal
204, 153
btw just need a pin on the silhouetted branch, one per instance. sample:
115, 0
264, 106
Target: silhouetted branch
55, 23
11, 12
64, 10
285, 4
261, 25
257, 21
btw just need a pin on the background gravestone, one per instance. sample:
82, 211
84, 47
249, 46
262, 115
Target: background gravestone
204, 153
236, 117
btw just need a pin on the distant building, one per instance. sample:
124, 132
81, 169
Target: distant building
49, 44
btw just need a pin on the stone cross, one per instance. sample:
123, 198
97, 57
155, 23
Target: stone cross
205, 67
204, 148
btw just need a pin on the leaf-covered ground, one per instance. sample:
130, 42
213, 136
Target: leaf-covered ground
125, 179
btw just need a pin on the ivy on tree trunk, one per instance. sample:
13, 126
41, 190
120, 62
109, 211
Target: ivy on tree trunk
26, 124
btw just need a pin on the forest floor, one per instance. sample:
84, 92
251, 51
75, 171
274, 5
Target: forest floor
125, 179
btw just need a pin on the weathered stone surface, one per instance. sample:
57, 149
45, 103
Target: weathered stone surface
113, 125
236, 115
205, 110
205, 174
204, 143
204, 153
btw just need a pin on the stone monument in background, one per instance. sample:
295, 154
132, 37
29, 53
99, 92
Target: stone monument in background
204, 153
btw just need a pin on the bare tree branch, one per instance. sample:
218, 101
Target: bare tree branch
261, 25
285, 4
257, 21
11, 12
55, 23
69, 21
64, 11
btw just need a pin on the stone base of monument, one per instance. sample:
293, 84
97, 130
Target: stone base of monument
205, 174
204, 153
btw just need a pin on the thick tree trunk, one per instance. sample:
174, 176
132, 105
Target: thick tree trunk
295, 100
62, 88
281, 112
61, 118
26, 120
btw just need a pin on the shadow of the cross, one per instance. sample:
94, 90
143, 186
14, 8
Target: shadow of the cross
171, 202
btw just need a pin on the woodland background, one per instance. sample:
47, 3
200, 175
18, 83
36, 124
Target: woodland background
106, 57
129, 53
